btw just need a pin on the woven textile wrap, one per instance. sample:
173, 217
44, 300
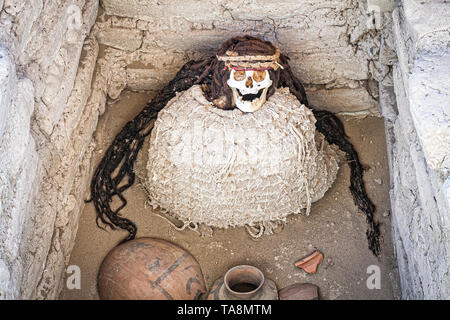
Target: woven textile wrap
226, 168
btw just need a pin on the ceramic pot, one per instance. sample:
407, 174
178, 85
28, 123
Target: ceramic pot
243, 282
150, 269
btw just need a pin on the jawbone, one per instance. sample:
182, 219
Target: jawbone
249, 106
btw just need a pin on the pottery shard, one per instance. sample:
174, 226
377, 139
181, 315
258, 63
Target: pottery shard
299, 291
311, 262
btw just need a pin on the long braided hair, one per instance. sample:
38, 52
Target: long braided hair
115, 172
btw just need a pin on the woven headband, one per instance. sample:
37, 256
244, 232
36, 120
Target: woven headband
233, 60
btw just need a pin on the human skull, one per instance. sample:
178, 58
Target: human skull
249, 88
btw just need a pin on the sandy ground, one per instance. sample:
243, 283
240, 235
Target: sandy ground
335, 227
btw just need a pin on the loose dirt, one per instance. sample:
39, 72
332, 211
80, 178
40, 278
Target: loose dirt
335, 226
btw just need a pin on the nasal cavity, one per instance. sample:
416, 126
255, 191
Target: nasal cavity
249, 83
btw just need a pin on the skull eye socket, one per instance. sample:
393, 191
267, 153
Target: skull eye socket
259, 76
239, 75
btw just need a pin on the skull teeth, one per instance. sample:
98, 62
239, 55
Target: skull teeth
250, 96
249, 106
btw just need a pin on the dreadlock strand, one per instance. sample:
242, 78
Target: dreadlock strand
122, 153
333, 130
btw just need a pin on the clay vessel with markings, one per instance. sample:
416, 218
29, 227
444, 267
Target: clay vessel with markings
150, 269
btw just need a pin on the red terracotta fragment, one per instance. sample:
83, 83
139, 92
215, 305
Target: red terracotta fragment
311, 262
